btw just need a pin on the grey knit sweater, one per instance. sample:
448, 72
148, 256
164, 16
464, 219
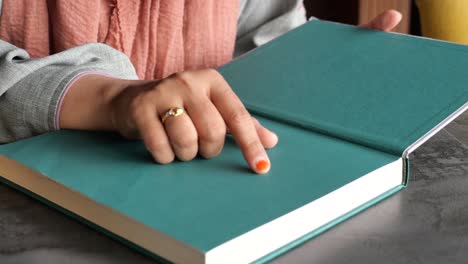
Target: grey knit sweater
30, 90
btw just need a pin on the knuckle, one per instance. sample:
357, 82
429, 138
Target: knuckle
212, 73
214, 133
196, 82
163, 84
183, 76
240, 117
227, 92
184, 80
186, 142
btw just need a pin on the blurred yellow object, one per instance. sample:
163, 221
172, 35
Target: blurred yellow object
444, 19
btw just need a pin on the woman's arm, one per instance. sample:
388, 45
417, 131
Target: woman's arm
31, 90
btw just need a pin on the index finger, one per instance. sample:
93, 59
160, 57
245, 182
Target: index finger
240, 123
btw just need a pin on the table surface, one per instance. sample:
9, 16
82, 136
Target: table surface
425, 223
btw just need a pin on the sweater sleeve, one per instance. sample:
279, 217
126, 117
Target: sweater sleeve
260, 22
31, 89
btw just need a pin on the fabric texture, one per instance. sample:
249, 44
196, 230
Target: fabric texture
31, 89
160, 37
260, 23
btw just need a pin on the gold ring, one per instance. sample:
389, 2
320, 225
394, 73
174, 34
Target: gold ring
172, 112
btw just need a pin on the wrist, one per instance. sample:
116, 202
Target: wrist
86, 104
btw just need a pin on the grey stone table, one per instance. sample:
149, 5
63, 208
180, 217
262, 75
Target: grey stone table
426, 223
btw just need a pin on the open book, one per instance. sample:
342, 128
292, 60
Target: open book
348, 104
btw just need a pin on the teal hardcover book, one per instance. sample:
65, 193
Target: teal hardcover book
348, 105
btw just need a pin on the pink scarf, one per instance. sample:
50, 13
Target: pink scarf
160, 37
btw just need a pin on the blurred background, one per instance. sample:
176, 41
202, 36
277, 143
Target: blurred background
441, 19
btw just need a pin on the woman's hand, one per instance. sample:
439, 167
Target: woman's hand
135, 108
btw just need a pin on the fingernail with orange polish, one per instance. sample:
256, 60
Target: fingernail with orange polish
262, 165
